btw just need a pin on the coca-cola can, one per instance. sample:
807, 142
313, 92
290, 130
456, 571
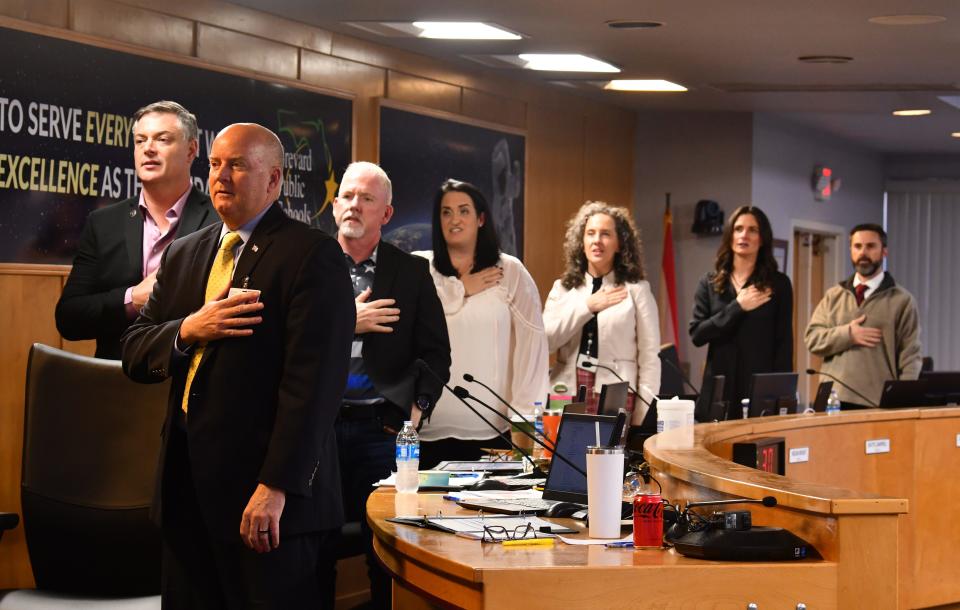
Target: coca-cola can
647, 521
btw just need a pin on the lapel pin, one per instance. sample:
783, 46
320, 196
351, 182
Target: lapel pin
133, 213
254, 248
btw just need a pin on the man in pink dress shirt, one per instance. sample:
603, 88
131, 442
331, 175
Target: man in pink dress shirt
120, 248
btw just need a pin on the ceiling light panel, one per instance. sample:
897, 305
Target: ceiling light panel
463, 30
907, 19
643, 85
565, 62
912, 112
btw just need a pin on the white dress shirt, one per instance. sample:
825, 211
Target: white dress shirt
497, 336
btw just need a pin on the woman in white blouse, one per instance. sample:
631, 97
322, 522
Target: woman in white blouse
602, 308
493, 317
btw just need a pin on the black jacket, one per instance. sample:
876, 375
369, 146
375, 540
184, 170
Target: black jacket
420, 333
109, 260
262, 407
743, 342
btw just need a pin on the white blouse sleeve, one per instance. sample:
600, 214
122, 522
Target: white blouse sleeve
529, 379
564, 315
449, 289
648, 337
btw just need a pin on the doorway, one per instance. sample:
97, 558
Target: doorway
817, 265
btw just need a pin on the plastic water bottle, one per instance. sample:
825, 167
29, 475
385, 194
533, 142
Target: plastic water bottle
538, 428
408, 459
745, 405
833, 403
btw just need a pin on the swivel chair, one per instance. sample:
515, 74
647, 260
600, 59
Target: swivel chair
90, 447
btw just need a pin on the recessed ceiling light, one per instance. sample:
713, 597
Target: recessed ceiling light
911, 112
643, 85
565, 62
907, 19
955, 134
633, 24
462, 30
825, 59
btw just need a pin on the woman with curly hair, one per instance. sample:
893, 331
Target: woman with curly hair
602, 308
744, 308
492, 309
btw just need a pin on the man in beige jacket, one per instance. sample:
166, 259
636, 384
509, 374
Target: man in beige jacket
866, 328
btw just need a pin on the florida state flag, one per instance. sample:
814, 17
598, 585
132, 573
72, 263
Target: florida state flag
667, 303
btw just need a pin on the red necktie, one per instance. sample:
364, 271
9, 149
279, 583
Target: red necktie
860, 290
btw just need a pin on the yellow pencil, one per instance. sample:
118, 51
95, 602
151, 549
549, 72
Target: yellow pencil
530, 542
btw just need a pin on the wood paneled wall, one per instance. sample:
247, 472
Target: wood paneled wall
577, 149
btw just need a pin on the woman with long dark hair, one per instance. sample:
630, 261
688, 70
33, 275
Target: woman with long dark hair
744, 308
492, 310
602, 309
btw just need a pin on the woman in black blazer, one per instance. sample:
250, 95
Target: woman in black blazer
744, 308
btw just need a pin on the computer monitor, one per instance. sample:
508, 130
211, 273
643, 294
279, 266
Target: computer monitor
943, 387
613, 397
710, 403
900, 393
769, 392
576, 433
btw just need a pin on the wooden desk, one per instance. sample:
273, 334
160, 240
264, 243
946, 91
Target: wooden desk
887, 520
433, 567
884, 524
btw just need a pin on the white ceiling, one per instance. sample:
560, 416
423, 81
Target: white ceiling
711, 46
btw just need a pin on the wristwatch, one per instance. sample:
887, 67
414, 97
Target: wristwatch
426, 409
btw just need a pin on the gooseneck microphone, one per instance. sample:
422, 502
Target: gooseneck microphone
768, 501
423, 366
844, 384
471, 379
589, 365
463, 393
680, 372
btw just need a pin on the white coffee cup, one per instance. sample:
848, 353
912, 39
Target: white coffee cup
604, 490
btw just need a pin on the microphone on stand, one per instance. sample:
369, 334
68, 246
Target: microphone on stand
588, 365
471, 379
683, 376
844, 384
504, 435
463, 393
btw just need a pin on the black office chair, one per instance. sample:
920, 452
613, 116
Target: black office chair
90, 445
671, 382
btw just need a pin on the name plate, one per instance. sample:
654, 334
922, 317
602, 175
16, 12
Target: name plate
878, 445
802, 454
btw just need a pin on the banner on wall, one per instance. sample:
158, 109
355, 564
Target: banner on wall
66, 145
420, 151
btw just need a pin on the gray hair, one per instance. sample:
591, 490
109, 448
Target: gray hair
366, 166
187, 120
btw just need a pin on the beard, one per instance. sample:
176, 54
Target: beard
352, 230
867, 267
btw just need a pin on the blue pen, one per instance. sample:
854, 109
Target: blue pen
622, 544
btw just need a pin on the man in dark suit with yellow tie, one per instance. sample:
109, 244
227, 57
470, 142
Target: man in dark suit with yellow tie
248, 490
121, 244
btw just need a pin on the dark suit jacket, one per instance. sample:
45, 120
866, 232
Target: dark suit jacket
262, 407
743, 342
109, 260
421, 332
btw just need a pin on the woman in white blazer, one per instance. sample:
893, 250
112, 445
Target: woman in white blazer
602, 308
492, 309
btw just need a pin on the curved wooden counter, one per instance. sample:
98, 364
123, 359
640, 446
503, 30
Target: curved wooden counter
431, 567
883, 523
886, 519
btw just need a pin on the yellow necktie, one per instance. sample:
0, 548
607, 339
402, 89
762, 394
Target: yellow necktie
219, 278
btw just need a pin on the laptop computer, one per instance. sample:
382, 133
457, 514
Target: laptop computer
902, 393
564, 484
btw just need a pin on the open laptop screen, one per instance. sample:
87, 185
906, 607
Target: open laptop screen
577, 432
